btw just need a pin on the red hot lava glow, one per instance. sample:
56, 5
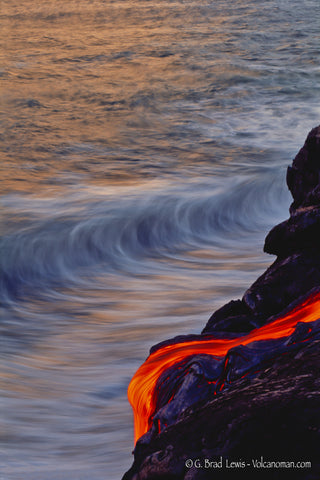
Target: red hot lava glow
141, 390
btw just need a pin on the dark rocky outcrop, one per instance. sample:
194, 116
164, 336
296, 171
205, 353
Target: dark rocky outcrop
296, 242
283, 282
303, 177
275, 415
235, 316
262, 399
300, 232
272, 416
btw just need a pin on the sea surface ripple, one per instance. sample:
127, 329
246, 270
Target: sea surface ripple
144, 154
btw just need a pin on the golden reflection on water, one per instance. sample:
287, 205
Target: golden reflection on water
79, 78
140, 132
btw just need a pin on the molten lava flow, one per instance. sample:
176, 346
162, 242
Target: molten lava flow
142, 386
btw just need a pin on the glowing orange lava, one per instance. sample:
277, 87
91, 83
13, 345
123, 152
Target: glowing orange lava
142, 386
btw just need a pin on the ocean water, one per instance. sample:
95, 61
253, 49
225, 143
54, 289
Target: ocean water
144, 148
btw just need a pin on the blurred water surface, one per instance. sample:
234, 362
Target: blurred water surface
144, 148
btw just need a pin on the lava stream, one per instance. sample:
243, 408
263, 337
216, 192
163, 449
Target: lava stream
141, 390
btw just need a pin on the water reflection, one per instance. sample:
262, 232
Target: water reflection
144, 154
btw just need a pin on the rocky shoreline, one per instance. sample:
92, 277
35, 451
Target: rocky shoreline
260, 400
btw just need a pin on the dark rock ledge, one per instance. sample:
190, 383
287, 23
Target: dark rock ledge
271, 406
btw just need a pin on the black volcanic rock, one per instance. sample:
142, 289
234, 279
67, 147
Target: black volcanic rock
284, 281
296, 242
262, 399
235, 316
303, 177
301, 232
275, 415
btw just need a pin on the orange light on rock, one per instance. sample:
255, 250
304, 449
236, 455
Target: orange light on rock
141, 390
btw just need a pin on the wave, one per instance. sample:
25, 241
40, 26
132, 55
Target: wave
62, 241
